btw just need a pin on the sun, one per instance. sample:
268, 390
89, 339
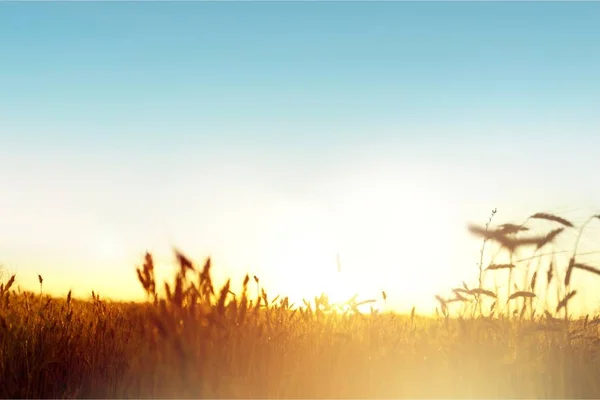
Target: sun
398, 233
106, 246
391, 233
301, 253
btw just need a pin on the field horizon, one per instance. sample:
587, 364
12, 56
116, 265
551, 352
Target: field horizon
556, 254
167, 346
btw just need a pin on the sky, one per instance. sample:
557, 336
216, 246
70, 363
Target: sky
275, 136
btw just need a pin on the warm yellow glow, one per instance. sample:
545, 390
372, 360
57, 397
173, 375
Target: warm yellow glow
301, 257
391, 235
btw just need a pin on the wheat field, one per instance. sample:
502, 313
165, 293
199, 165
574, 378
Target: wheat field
191, 339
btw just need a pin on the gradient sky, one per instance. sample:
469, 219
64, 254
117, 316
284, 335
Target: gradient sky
275, 135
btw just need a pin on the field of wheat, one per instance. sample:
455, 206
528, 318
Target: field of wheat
191, 339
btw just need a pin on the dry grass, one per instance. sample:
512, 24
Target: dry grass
191, 339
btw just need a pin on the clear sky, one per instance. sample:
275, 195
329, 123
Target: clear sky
275, 135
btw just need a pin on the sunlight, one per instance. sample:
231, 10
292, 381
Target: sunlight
397, 234
300, 261
392, 233
106, 246
301, 255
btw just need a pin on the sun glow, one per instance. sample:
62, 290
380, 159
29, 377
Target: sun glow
107, 246
390, 235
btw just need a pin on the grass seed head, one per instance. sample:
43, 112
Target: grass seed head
551, 217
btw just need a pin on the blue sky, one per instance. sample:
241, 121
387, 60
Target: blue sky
214, 125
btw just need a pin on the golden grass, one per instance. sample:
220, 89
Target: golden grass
193, 340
